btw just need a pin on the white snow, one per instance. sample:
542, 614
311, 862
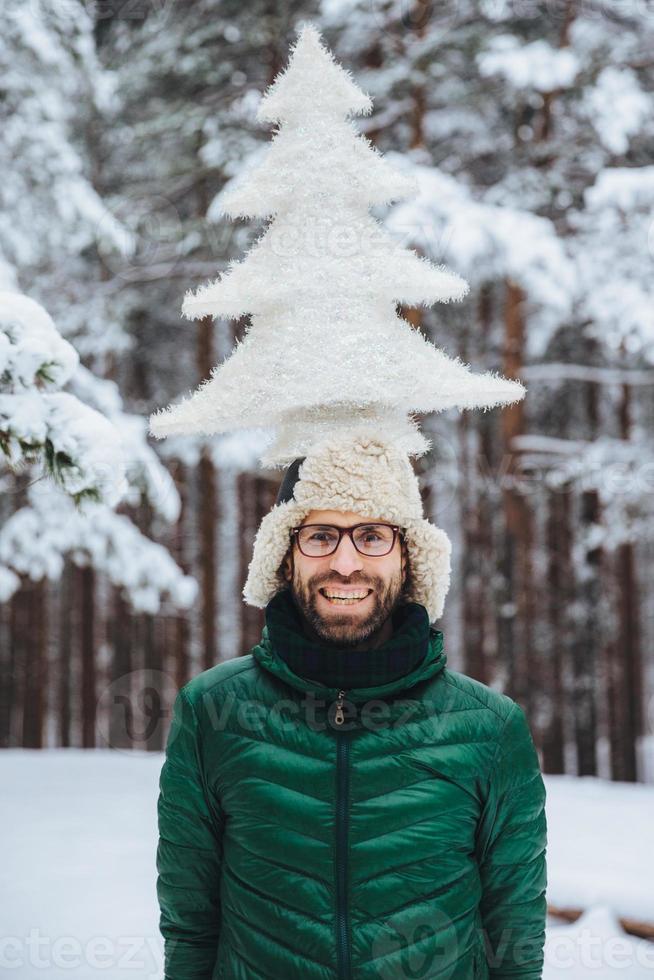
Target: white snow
601, 845
52, 82
487, 242
612, 250
32, 351
78, 875
536, 65
148, 477
623, 188
85, 447
93, 449
596, 946
617, 107
9, 583
36, 539
620, 470
484, 240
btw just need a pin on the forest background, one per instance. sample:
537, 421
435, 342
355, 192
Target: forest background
530, 129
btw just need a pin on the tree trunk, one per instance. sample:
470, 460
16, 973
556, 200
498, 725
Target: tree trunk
251, 619
516, 613
120, 673
230, 601
151, 694
627, 687
559, 576
86, 579
207, 517
65, 659
476, 531
181, 627
472, 585
590, 635
626, 711
7, 675
588, 640
36, 665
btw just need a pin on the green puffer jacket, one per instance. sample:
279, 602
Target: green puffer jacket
408, 841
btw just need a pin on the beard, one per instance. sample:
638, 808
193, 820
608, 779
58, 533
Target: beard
349, 626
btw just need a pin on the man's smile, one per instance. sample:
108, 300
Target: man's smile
342, 596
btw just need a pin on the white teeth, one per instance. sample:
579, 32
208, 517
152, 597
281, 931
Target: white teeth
352, 596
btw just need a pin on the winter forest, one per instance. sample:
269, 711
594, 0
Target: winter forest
529, 131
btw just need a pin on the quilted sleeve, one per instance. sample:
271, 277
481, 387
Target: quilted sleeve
188, 854
512, 846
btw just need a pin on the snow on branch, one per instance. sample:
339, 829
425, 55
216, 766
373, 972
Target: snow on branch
536, 65
486, 241
95, 455
80, 449
621, 471
148, 479
35, 540
612, 248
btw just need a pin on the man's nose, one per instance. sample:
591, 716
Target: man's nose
346, 559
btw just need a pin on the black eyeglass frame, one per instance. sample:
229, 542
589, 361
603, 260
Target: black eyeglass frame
295, 535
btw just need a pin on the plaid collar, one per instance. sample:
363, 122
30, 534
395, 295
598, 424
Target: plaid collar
327, 664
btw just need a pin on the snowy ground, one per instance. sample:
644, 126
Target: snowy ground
77, 871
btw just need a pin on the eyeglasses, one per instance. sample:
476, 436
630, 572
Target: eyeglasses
320, 540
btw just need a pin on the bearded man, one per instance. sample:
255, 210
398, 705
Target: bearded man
338, 804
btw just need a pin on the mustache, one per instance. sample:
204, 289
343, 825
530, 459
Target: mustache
348, 583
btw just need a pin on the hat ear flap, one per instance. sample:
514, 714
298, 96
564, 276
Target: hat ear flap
430, 551
271, 543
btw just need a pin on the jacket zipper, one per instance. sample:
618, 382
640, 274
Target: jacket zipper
342, 788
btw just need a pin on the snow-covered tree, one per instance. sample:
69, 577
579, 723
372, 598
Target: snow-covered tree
97, 456
529, 135
181, 124
80, 449
59, 235
187, 78
52, 215
37, 539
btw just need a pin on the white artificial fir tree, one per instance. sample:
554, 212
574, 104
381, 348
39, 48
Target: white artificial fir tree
326, 347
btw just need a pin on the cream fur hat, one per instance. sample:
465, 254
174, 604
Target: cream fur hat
368, 476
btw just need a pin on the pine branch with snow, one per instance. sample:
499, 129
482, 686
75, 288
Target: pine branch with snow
37, 538
96, 456
80, 449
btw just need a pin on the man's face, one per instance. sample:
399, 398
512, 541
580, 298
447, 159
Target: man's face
346, 568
